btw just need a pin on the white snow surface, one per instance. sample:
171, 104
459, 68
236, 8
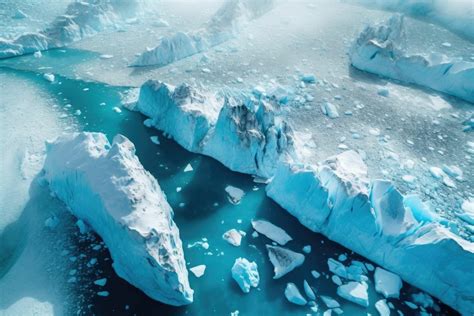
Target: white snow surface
106, 186
380, 49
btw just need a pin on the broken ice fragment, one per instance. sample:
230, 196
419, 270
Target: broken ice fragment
83, 228
293, 295
100, 282
272, 231
467, 208
387, 283
330, 110
234, 194
337, 268
283, 260
155, 140
245, 273
355, 292
309, 78
330, 302
188, 168
233, 237
382, 308
49, 77
315, 274
199, 270
308, 290
307, 249
103, 293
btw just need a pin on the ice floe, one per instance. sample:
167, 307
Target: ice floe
355, 292
233, 237
283, 260
198, 271
245, 273
271, 231
387, 283
106, 186
293, 295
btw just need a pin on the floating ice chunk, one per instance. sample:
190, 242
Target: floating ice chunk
387, 283
283, 260
37, 54
453, 171
100, 282
234, 194
309, 78
199, 270
106, 186
336, 280
272, 231
233, 237
155, 140
106, 56
382, 307
188, 168
245, 273
337, 268
293, 295
411, 305
446, 44
83, 227
49, 77
424, 300
448, 182
467, 208
330, 110
315, 274
116, 109
309, 291
103, 293
437, 173
330, 302
355, 292
408, 178
307, 249
384, 92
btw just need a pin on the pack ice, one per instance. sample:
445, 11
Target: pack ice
107, 187
379, 49
336, 199
222, 26
81, 19
243, 132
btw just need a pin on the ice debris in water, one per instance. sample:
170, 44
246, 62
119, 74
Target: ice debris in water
271, 231
382, 307
330, 110
283, 260
245, 273
330, 302
387, 283
188, 168
293, 295
467, 209
355, 292
309, 291
234, 194
233, 237
199, 270
49, 77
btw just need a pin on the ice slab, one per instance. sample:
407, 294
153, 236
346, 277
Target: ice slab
233, 237
245, 273
107, 187
355, 292
283, 260
293, 295
198, 271
387, 283
379, 50
272, 231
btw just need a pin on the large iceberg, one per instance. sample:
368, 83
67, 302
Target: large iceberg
107, 187
242, 132
222, 26
81, 19
336, 199
379, 49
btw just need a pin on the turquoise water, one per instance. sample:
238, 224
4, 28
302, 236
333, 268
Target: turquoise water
206, 213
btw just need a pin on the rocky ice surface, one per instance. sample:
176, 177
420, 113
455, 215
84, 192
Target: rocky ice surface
222, 26
380, 49
81, 19
242, 132
106, 186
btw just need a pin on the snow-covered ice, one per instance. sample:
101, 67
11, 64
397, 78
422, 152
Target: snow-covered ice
106, 186
245, 273
272, 231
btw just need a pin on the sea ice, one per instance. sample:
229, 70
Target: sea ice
283, 260
293, 295
467, 208
387, 283
234, 194
245, 273
309, 291
233, 237
199, 270
107, 187
355, 292
382, 307
330, 302
271, 231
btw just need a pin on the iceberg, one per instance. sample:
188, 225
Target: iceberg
245, 273
81, 19
223, 26
233, 237
199, 270
293, 295
355, 292
387, 283
379, 49
283, 260
106, 186
336, 199
273, 232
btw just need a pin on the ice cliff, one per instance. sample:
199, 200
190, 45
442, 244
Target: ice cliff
81, 19
222, 26
336, 199
243, 133
107, 187
379, 49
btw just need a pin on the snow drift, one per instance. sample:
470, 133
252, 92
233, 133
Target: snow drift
336, 199
107, 187
243, 133
379, 49
81, 19
223, 25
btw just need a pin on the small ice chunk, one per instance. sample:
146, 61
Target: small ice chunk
233, 237
83, 227
467, 208
408, 178
49, 77
330, 110
387, 283
330, 302
315, 274
100, 282
337, 268
117, 109
446, 44
188, 168
283, 260
436, 172
106, 56
234, 194
422, 299
272, 231
199, 270
245, 273
307, 249
355, 292
308, 78
382, 307
453, 171
384, 92
103, 293
293, 295
342, 257
309, 291
336, 280
38, 54
155, 140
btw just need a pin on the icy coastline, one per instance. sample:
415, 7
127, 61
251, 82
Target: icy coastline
379, 50
106, 186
